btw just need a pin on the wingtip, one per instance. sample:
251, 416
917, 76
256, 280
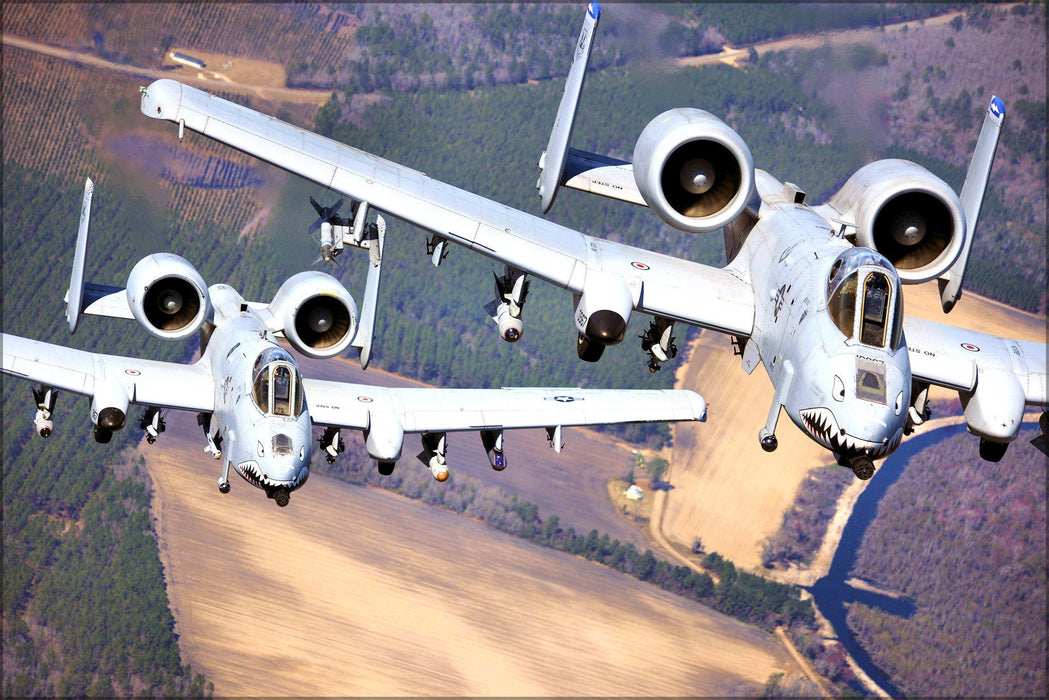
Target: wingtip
997, 107
698, 405
594, 10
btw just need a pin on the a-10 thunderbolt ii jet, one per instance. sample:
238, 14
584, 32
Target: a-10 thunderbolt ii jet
812, 293
256, 408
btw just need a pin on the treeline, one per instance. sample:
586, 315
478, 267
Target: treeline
98, 590
741, 595
743, 23
967, 542
469, 45
805, 523
465, 46
83, 592
459, 47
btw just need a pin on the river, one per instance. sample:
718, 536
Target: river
831, 593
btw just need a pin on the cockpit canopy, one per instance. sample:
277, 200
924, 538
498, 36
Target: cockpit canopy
276, 384
864, 298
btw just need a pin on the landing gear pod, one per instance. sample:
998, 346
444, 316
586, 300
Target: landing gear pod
108, 409
601, 314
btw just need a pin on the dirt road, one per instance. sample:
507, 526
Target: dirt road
734, 55
269, 92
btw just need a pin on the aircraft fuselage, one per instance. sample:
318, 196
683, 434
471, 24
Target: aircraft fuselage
827, 329
260, 413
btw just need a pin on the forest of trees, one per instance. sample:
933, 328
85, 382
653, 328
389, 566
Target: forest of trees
741, 24
805, 523
477, 44
80, 561
966, 542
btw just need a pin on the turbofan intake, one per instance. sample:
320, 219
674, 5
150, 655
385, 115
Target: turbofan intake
319, 316
168, 296
693, 169
907, 214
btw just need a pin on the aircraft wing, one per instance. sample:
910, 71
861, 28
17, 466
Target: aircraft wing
448, 410
957, 358
659, 284
147, 382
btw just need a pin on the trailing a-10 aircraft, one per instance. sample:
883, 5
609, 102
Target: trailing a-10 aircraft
812, 293
256, 409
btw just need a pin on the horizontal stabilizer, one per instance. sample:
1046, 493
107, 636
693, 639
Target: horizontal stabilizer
106, 300
597, 174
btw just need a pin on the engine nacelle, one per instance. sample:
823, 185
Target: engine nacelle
318, 315
907, 214
168, 296
693, 169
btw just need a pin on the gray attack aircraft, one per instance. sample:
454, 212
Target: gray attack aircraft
812, 293
256, 409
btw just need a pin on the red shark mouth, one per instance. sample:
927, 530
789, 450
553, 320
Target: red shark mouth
821, 425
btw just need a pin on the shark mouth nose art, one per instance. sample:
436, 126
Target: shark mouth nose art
253, 475
822, 426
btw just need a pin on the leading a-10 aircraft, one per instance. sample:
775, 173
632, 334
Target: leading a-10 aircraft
812, 293
256, 409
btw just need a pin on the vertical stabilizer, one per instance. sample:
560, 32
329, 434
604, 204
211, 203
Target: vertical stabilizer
366, 323
552, 162
75, 295
971, 197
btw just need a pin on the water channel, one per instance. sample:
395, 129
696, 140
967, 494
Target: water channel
832, 593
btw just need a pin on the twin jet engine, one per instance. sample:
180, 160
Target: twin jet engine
312, 309
697, 174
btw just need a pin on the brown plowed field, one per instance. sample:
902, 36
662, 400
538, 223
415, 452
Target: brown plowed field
357, 591
730, 493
